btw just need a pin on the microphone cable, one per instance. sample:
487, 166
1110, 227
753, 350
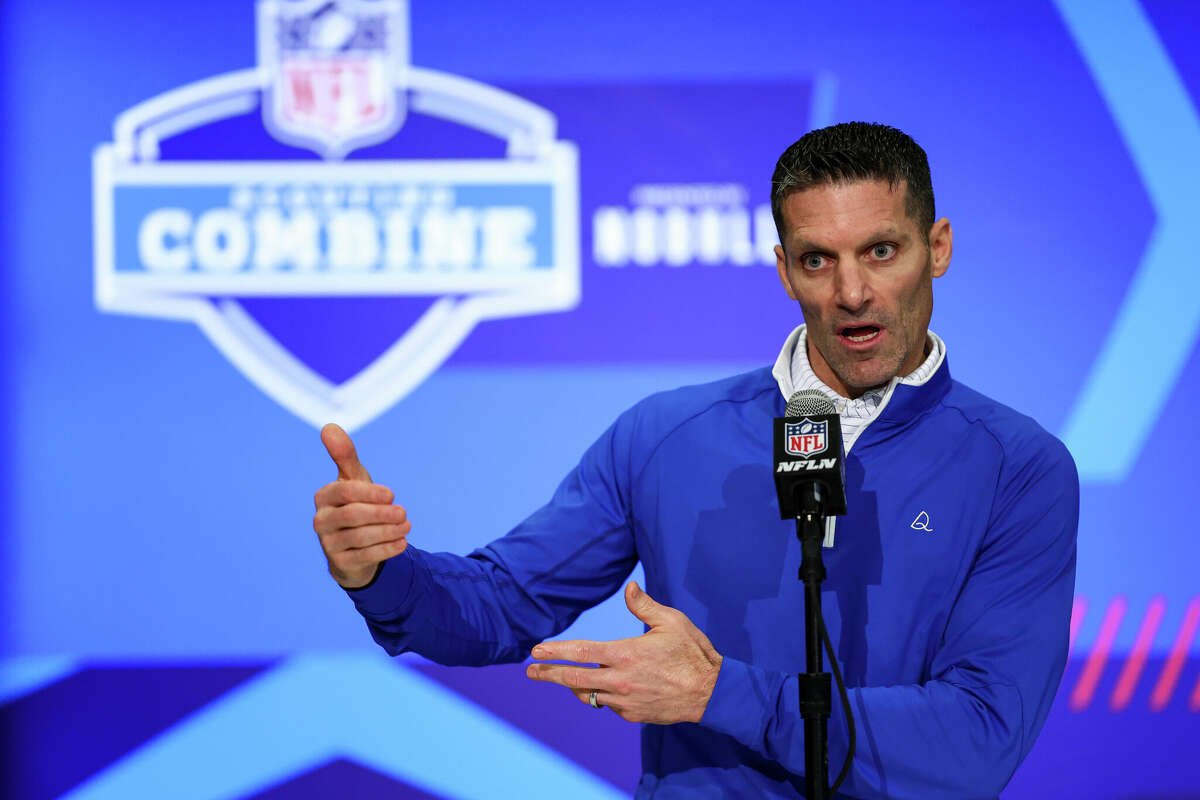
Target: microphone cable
845, 696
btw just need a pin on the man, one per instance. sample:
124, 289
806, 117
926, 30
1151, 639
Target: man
950, 578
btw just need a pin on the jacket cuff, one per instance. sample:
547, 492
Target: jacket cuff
390, 593
741, 703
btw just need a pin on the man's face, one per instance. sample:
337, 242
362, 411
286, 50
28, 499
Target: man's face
863, 276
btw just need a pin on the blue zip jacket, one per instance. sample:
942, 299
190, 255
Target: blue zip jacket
952, 640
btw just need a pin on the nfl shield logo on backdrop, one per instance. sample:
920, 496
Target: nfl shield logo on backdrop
806, 437
336, 71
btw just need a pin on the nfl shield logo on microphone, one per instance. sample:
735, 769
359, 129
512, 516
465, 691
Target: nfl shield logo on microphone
806, 437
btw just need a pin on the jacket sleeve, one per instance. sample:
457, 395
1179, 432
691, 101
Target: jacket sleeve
493, 605
963, 732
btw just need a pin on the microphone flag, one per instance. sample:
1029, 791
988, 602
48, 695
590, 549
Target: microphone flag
808, 450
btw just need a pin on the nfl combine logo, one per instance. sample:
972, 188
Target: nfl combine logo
805, 438
260, 252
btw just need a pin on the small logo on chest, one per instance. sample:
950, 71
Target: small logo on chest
922, 523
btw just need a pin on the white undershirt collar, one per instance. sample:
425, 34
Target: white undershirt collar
793, 373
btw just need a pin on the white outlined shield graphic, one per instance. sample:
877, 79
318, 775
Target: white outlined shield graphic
193, 240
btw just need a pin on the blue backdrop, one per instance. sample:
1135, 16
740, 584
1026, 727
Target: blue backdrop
528, 216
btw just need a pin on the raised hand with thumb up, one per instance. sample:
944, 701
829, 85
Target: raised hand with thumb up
358, 526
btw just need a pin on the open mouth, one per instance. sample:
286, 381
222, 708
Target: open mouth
860, 334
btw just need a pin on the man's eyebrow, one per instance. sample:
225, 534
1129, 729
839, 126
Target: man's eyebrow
887, 233
802, 245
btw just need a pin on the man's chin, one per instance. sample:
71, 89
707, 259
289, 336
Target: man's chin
861, 381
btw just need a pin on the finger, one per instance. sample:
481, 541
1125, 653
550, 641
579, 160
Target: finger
351, 559
603, 699
367, 536
354, 515
567, 675
339, 493
341, 450
579, 650
644, 607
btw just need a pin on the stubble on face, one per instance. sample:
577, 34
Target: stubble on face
902, 350
860, 269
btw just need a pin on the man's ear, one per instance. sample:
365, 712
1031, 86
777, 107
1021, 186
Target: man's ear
941, 246
781, 268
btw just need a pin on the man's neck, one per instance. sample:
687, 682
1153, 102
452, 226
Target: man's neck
820, 367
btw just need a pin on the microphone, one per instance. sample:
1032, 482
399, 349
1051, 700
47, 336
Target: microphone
810, 465
810, 479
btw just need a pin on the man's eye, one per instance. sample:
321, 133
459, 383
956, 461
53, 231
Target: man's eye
883, 251
812, 261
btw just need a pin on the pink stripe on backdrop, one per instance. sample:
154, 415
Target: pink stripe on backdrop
1194, 703
1170, 674
1093, 668
1132, 671
1078, 610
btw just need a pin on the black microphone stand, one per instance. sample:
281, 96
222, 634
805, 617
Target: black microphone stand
815, 690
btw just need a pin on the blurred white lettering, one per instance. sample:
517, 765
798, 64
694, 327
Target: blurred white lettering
683, 224
162, 240
266, 237
286, 241
353, 240
221, 241
506, 233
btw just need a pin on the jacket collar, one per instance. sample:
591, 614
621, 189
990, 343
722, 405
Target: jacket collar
904, 399
909, 400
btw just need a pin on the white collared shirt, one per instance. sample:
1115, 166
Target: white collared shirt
793, 373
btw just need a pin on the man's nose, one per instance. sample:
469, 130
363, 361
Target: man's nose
851, 288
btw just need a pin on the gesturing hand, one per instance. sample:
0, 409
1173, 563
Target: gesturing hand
355, 520
666, 675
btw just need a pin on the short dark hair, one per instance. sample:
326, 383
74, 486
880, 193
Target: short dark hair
855, 151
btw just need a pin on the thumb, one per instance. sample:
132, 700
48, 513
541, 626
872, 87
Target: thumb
644, 607
342, 451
